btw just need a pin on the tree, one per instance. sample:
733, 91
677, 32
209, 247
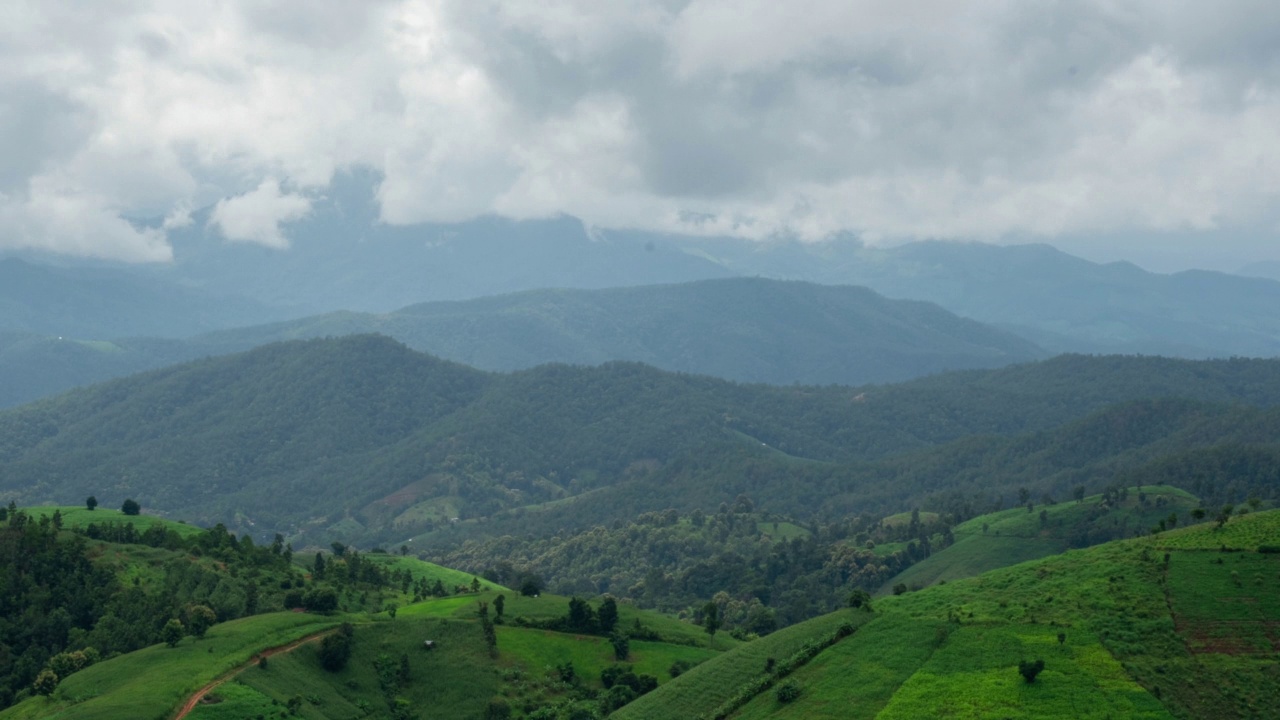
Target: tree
1225, 514
499, 605
320, 599
621, 646
45, 683
711, 618
860, 599
1029, 670
130, 507
1024, 496
607, 616
338, 548
173, 632
91, 502
335, 650
532, 586
199, 619
787, 692
1078, 493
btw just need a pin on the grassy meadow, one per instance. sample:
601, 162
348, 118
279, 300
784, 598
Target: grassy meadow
1170, 625
151, 683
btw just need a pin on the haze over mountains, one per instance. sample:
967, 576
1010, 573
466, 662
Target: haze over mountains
382, 278
750, 330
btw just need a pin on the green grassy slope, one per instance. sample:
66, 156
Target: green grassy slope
1123, 632
1012, 536
700, 691
420, 569
82, 517
149, 684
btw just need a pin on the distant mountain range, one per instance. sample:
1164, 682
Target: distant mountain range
744, 329
354, 272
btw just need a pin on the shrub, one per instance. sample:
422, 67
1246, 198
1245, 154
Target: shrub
1029, 670
787, 692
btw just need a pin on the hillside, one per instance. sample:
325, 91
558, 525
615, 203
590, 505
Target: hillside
749, 330
1016, 535
363, 440
1177, 625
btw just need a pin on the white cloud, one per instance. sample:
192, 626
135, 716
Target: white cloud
894, 120
257, 216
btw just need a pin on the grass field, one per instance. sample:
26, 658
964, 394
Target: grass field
79, 516
705, 688
458, 675
1013, 536
1140, 638
547, 607
420, 569
855, 678
151, 683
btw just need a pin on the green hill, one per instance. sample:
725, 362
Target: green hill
1012, 536
1181, 624
362, 440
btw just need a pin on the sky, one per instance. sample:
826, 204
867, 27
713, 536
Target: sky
1144, 130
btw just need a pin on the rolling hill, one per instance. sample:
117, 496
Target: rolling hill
1181, 624
364, 440
748, 330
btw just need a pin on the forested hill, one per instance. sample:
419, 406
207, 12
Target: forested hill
364, 439
744, 329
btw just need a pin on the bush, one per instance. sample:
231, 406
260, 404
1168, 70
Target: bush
335, 650
787, 692
1029, 670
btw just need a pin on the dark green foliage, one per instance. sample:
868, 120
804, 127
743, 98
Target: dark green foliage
321, 599
859, 599
173, 632
91, 502
607, 616
335, 650
531, 586
621, 646
1030, 669
499, 605
711, 618
46, 682
130, 507
199, 619
498, 709
787, 691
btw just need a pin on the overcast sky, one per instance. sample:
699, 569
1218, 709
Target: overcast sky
1147, 130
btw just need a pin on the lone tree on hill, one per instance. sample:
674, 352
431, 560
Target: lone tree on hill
1029, 670
130, 507
91, 502
172, 632
711, 621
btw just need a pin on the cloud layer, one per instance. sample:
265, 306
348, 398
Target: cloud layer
1009, 120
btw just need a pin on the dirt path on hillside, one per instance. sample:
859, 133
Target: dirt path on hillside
199, 694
